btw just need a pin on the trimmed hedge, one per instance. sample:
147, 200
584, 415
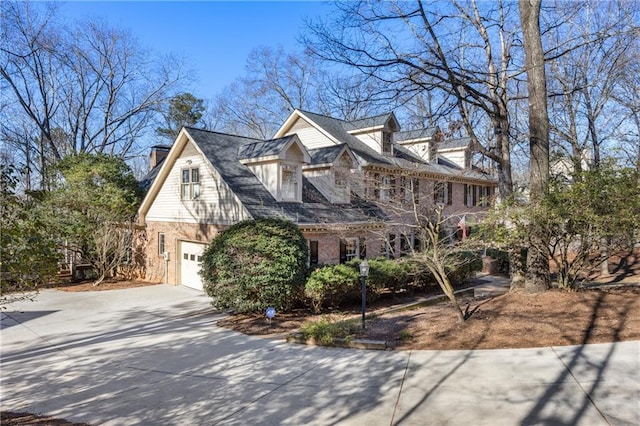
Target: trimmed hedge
255, 264
333, 286
330, 285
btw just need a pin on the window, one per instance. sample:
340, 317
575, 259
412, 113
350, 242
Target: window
289, 182
385, 186
313, 252
161, 249
392, 187
443, 193
376, 186
340, 180
389, 246
485, 195
349, 249
190, 184
440, 193
386, 143
470, 195
405, 245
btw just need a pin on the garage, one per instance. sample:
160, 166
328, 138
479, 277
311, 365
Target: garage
190, 262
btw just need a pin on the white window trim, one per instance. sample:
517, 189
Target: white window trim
356, 254
385, 188
296, 169
193, 188
162, 245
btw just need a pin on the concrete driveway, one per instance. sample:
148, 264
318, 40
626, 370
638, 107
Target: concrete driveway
153, 356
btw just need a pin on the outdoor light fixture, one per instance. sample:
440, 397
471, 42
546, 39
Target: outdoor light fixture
364, 273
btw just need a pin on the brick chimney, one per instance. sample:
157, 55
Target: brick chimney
158, 153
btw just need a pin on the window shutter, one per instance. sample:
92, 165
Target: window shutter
466, 195
392, 246
450, 193
343, 251
475, 194
417, 244
363, 248
313, 252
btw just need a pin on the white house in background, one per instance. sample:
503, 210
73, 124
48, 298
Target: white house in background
337, 180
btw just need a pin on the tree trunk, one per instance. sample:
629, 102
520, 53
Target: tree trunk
517, 268
604, 253
537, 278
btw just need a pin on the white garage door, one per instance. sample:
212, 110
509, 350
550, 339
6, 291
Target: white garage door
191, 259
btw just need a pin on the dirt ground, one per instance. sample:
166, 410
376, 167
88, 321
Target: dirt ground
513, 320
607, 312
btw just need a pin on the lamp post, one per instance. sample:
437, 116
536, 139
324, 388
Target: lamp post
364, 272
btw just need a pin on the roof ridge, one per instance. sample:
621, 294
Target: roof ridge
225, 134
347, 121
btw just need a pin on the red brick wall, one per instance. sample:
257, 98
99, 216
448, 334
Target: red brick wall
173, 232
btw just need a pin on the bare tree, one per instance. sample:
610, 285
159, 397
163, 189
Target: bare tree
454, 49
86, 87
585, 78
348, 96
276, 83
423, 223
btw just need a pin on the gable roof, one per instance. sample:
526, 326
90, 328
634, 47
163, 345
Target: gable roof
378, 121
272, 148
328, 155
222, 152
402, 157
147, 180
417, 134
452, 144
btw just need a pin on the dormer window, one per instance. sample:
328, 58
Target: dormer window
290, 182
386, 143
340, 181
190, 184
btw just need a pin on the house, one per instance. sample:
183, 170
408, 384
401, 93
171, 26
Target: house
340, 182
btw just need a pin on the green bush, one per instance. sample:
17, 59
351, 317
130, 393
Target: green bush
388, 274
329, 286
325, 332
461, 265
255, 264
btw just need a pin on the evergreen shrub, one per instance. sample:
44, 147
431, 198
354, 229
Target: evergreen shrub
255, 264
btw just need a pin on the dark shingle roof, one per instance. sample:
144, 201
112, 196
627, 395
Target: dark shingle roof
365, 123
147, 180
429, 132
222, 151
337, 129
402, 157
326, 155
263, 148
459, 143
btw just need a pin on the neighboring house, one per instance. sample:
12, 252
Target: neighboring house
341, 182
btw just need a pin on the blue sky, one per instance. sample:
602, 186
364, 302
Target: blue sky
215, 37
